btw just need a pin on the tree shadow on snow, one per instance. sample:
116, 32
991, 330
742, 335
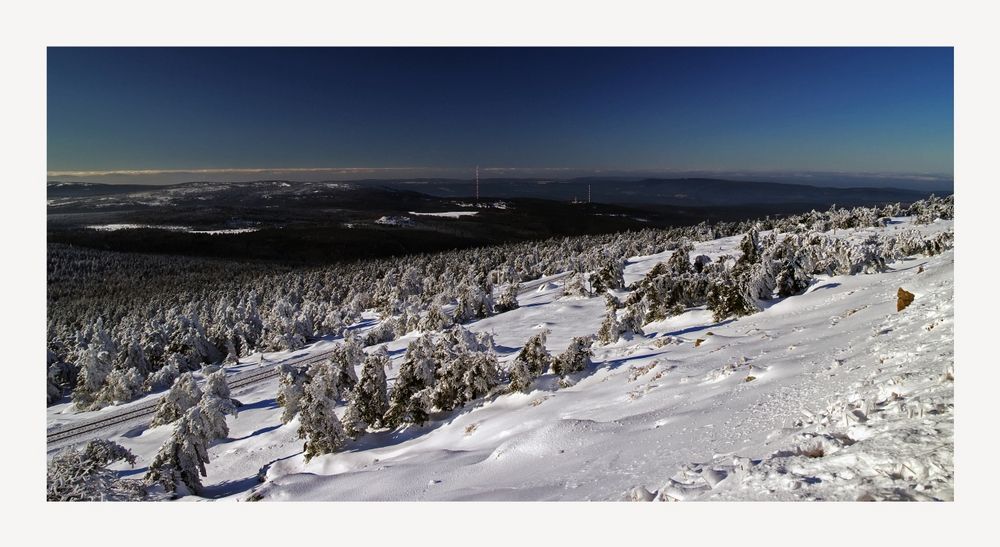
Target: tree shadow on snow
228, 488
506, 350
697, 328
260, 431
825, 286
383, 438
263, 404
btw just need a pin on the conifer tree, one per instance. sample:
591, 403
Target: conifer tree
508, 300
180, 463
217, 386
318, 423
370, 400
183, 394
95, 366
520, 377
610, 328
434, 320
535, 357
122, 385
345, 359
291, 388
576, 357
408, 399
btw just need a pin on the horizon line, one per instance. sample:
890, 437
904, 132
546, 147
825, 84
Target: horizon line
927, 176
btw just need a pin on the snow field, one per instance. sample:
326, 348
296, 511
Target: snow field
831, 394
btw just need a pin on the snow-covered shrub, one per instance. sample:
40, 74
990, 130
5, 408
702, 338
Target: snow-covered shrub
384, 332
577, 285
463, 378
122, 385
434, 320
508, 299
611, 275
82, 474
534, 357
576, 357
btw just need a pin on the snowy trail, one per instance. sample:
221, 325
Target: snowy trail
831, 394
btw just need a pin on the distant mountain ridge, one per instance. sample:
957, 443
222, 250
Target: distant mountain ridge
697, 192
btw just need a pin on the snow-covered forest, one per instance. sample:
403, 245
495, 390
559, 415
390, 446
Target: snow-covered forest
440, 363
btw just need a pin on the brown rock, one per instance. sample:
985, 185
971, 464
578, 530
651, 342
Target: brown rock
903, 299
698, 342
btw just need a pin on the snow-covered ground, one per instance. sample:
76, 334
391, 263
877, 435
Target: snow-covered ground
831, 394
446, 214
171, 228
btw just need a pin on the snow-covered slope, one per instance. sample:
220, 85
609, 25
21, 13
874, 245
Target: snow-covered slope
831, 394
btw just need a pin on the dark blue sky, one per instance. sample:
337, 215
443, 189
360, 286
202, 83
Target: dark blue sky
870, 110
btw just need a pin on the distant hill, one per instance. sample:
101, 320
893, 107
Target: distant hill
698, 192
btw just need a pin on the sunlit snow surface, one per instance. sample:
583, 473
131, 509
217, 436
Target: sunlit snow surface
828, 395
447, 214
171, 228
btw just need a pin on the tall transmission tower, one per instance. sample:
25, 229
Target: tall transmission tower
477, 183
588, 194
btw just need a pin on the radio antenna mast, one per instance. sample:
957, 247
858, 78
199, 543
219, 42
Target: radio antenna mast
588, 194
477, 183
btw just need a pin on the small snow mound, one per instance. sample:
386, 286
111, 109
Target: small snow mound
639, 493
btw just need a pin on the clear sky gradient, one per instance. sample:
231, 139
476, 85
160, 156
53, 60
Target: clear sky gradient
130, 114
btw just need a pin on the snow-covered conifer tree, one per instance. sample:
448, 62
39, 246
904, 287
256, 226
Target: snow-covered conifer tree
576, 357
95, 366
609, 276
481, 376
520, 377
535, 357
318, 423
700, 262
679, 262
291, 387
610, 328
122, 385
345, 359
435, 320
416, 374
164, 377
180, 463
508, 299
383, 332
370, 400
183, 395
216, 385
